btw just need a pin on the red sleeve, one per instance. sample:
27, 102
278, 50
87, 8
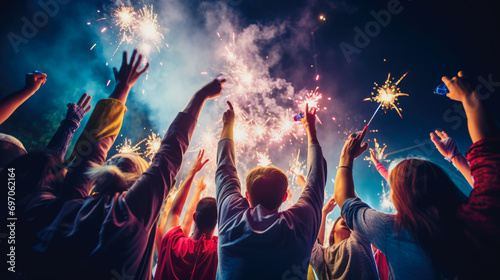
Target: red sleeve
482, 210
382, 170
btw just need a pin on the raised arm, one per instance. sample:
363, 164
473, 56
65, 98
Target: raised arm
101, 130
154, 184
62, 138
191, 209
327, 209
380, 168
12, 101
174, 215
344, 183
309, 205
448, 148
479, 121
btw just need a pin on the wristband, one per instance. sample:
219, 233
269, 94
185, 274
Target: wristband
343, 166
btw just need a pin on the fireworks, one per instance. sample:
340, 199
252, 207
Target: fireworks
126, 147
379, 152
153, 144
263, 159
387, 94
312, 99
140, 27
125, 17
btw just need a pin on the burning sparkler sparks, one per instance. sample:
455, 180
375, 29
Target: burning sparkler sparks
387, 94
126, 147
153, 144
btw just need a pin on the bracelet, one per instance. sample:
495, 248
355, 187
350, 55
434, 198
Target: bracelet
454, 156
343, 166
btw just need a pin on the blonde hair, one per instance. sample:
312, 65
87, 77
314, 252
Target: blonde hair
117, 174
266, 186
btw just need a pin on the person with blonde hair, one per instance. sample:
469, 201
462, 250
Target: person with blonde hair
105, 227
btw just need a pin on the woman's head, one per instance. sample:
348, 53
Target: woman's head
425, 198
340, 229
117, 174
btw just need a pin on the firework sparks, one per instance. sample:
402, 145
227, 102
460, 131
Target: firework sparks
263, 159
153, 144
312, 99
126, 147
125, 17
388, 93
379, 152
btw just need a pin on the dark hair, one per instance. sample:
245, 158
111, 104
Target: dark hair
206, 214
266, 186
426, 200
35, 171
331, 239
9, 152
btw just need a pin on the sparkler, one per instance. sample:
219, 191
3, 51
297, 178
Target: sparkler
387, 95
126, 17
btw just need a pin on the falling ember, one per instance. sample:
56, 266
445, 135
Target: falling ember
93, 46
263, 159
204, 72
103, 29
387, 94
317, 77
153, 144
107, 84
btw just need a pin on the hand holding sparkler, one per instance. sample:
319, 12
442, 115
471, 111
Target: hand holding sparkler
459, 88
309, 123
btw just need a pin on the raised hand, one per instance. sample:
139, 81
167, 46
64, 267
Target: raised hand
129, 72
198, 163
353, 147
459, 88
35, 80
445, 144
299, 179
228, 116
329, 206
374, 158
309, 122
212, 89
200, 185
77, 111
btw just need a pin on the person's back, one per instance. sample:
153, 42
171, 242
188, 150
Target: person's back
258, 243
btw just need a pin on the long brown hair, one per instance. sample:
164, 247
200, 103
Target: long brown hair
426, 200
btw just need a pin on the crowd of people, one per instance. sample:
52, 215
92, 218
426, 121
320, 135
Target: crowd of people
87, 216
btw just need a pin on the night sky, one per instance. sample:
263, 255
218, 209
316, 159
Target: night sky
428, 39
